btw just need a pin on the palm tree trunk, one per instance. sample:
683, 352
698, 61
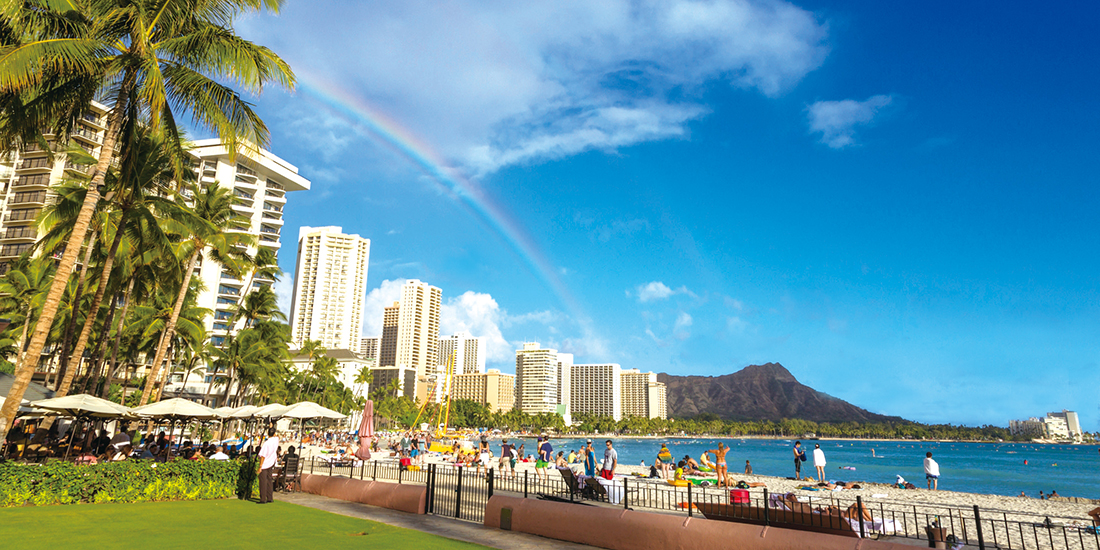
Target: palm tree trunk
164, 375
62, 370
170, 328
118, 334
96, 366
210, 386
93, 310
26, 368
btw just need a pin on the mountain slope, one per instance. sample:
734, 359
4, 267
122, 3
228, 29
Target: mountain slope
759, 392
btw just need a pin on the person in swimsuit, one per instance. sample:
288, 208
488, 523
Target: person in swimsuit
720, 463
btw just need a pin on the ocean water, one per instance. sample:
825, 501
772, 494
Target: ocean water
988, 468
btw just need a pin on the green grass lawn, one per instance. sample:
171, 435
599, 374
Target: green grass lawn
203, 525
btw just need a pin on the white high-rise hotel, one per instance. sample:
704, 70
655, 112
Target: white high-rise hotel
468, 353
260, 182
330, 283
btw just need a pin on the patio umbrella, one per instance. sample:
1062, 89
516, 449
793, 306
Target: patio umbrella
308, 409
225, 412
81, 407
247, 411
26, 410
366, 431
173, 410
274, 410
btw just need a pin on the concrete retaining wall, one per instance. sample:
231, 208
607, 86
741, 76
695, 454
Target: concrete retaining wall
619, 529
406, 498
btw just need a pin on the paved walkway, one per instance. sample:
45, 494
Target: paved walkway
436, 525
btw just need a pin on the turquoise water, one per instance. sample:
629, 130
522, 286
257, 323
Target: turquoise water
989, 468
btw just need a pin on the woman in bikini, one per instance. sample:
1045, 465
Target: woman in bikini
720, 463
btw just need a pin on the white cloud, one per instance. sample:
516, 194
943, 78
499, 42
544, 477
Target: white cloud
478, 314
657, 290
683, 320
284, 292
837, 120
498, 83
544, 317
385, 295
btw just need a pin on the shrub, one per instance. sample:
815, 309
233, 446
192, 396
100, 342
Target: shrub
62, 482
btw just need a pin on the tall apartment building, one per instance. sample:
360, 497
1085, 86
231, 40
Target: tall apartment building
491, 388
330, 283
387, 344
368, 347
643, 395
410, 335
28, 178
467, 351
260, 181
597, 390
1069, 420
405, 377
539, 375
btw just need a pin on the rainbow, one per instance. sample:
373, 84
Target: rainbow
357, 112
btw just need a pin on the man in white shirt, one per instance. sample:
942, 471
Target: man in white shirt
220, 455
931, 472
269, 455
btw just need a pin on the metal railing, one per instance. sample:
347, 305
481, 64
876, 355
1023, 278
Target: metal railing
462, 492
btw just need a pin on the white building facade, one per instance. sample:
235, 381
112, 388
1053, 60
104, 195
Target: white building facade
260, 181
597, 390
330, 284
467, 352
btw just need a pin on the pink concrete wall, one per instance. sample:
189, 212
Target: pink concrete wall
619, 529
406, 498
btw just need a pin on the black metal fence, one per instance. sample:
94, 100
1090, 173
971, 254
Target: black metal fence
462, 493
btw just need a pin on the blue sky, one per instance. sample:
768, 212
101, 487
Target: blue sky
896, 201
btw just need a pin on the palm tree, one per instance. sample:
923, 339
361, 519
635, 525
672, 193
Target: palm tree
311, 349
364, 378
145, 174
22, 291
210, 223
151, 55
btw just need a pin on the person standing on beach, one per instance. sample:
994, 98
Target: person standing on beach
720, 463
931, 472
507, 461
819, 463
589, 460
799, 456
664, 458
748, 468
610, 462
269, 453
546, 457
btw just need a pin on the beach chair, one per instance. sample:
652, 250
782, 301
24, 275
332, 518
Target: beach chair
573, 486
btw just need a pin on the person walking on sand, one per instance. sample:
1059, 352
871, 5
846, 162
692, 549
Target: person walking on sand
720, 463
269, 452
931, 472
610, 462
799, 458
819, 463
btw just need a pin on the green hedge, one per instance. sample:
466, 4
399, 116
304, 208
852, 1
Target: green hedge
60, 482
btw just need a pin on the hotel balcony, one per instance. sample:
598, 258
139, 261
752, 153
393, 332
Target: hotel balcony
272, 218
35, 165
20, 233
88, 134
275, 199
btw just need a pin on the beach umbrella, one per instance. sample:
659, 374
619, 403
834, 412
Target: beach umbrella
366, 431
26, 410
225, 412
